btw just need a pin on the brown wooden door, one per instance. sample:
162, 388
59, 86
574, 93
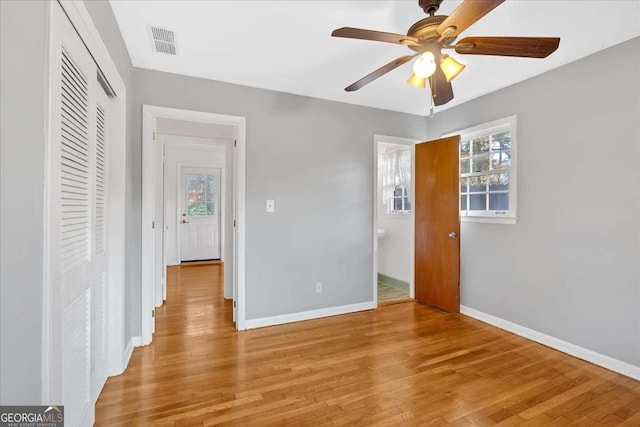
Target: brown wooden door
437, 214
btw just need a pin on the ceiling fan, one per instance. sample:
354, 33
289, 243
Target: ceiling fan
430, 35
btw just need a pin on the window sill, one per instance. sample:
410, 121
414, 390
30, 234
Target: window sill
509, 220
400, 214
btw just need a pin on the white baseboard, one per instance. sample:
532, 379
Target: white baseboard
607, 362
128, 351
308, 315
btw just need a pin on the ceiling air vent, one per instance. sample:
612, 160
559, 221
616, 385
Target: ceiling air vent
164, 40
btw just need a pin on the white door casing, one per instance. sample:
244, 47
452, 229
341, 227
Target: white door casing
376, 200
159, 261
200, 213
149, 115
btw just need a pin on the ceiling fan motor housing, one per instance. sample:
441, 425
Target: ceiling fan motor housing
427, 31
430, 6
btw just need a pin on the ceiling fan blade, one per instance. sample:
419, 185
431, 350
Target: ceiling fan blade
379, 72
465, 15
528, 47
441, 89
378, 36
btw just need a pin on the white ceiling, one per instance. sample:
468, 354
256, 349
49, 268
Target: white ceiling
286, 45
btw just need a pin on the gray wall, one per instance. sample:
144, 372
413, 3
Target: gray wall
23, 31
315, 159
571, 266
104, 20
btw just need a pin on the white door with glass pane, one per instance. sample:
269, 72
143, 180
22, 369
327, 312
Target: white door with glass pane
200, 214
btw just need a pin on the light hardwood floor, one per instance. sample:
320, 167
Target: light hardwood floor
401, 364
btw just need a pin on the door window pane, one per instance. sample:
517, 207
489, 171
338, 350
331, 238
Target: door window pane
463, 202
200, 195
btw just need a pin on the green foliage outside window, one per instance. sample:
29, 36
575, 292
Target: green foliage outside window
201, 195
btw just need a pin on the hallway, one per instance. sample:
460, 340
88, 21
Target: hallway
402, 363
194, 331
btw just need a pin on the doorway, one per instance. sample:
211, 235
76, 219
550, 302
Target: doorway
166, 229
200, 219
194, 197
428, 245
393, 233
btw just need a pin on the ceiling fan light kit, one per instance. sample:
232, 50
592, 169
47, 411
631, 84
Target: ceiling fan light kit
430, 35
425, 65
418, 82
450, 67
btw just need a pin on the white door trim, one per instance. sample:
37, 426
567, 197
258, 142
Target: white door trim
116, 352
400, 141
149, 115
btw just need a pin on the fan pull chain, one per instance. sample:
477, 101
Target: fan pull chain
433, 94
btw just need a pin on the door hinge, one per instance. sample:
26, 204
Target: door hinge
154, 135
153, 313
153, 224
235, 143
234, 222
234, 304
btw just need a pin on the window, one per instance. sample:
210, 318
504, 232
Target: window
488, 173
396, 180
201, 195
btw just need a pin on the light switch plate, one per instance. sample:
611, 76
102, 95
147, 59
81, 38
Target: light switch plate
271, 206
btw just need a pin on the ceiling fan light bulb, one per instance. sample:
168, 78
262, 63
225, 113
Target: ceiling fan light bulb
425, 65
450, 67
416, 81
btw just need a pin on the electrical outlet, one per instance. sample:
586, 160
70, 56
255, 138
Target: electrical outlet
271, 206
318, 288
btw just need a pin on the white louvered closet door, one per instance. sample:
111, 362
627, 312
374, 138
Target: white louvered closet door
77, 233
100, 262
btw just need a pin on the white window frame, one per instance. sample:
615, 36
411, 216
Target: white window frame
391, 202
388, 209
495, 217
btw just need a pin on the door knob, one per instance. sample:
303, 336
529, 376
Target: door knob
453, 235
184, 221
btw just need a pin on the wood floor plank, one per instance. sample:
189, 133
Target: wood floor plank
402, 364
